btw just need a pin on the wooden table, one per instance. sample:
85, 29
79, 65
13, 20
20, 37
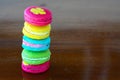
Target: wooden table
77, 54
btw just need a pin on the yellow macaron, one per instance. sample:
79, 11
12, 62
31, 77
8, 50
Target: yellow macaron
36, 32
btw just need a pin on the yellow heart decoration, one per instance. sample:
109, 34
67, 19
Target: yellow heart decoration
38, 11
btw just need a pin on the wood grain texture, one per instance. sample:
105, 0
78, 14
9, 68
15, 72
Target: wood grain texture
77, 54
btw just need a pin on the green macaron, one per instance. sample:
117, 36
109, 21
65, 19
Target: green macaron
35, 57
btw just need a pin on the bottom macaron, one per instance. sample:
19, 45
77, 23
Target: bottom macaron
35, 68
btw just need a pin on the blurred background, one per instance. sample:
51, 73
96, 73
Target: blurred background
66, 13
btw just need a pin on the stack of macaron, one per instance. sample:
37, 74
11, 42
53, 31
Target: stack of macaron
36, 40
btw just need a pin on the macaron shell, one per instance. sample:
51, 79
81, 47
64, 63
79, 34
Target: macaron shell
37, 28
35, 57
36, 68
35, 62
34, 41
41, 35
37, 19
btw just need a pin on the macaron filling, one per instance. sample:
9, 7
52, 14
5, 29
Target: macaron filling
35, 59
34, 45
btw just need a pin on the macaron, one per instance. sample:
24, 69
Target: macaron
36, 15
35, 57
35, 68
35, 45
36, 32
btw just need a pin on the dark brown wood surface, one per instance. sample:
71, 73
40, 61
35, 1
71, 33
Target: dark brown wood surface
77, 54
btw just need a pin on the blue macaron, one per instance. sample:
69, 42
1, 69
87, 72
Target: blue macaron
35, 45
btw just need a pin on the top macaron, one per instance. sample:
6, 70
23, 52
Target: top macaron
38, 16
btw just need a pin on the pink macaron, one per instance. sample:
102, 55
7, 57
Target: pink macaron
35, 68
37, 16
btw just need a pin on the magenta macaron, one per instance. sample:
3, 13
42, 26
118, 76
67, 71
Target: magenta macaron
38, 16
35, 68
